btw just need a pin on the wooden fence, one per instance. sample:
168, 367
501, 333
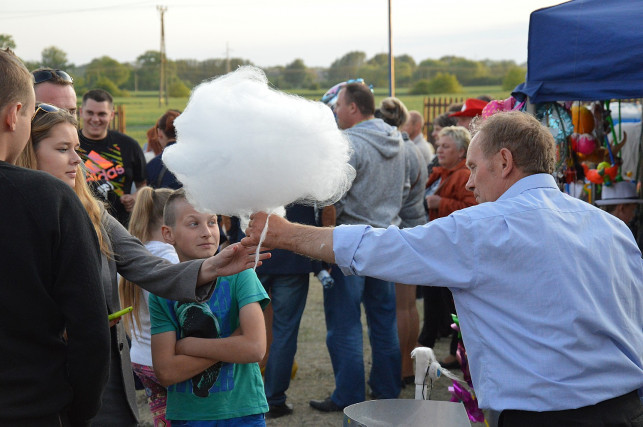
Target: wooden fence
119, 123
433, 107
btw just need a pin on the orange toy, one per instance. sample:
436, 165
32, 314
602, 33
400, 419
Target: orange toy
603, 174
582, 119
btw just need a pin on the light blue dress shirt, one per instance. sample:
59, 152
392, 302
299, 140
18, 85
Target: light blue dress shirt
548, 288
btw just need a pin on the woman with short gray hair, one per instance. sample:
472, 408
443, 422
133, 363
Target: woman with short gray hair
445, 194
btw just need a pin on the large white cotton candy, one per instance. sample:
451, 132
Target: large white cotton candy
243, 147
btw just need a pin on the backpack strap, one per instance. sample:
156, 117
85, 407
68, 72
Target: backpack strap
159, 180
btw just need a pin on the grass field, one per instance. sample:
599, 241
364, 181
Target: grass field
142, 108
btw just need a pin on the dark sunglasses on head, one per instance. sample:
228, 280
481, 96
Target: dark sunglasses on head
47, 108
45, 75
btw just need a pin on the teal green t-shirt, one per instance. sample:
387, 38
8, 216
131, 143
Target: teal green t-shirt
238, 390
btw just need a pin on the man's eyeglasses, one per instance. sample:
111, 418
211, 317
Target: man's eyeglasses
45, 75
47, 108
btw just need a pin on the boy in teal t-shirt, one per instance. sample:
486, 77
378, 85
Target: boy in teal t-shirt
207, 353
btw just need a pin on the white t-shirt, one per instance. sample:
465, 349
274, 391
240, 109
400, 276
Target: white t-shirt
141, 350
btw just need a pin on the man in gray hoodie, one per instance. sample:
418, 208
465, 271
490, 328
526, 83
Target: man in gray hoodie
375, 198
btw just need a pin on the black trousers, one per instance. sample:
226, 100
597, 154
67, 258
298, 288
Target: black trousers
625, 411
438, 306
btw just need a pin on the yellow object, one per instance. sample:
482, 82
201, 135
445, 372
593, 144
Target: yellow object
294, 369
582, 119
292, 373
120, 313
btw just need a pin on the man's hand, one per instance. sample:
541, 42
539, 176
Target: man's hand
276, 226
313, 242
128, 201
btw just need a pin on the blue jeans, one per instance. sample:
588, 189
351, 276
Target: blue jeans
342, 306
257, 420
288, 298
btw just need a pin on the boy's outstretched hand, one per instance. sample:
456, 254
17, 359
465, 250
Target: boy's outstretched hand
236, 258
231, 260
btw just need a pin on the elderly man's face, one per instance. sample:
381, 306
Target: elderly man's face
486, 180
62, 96
625, 212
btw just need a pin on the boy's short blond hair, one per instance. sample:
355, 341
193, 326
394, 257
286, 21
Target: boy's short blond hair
169, 211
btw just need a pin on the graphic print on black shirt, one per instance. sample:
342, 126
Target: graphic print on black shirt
106, 171
112, 164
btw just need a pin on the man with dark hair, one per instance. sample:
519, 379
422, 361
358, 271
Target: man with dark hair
375, 198
113, 160
548, 287
55, 87
54, 340
286, 279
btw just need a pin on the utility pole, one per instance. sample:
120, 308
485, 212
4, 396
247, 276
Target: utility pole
163, 77
227, 57
391, 59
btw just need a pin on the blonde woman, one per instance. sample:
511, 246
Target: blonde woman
52, 149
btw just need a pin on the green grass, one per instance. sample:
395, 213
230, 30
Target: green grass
142, 109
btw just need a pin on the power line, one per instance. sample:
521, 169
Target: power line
36, 13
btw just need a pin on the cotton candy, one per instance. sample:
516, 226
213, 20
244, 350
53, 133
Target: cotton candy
244, 147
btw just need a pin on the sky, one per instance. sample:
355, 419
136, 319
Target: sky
269, 33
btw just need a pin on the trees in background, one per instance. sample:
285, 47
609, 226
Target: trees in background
347, 67
6, 41
441, 83
54, 57
444, 75
513, 78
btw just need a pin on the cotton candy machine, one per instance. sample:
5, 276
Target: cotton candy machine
405, 412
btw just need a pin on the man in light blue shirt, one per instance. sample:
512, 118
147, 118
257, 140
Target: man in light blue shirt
549, 289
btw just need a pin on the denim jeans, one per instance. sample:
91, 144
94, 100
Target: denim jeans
342, 306
257, 420
288, 298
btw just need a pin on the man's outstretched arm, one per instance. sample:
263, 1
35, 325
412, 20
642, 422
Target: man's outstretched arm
313, 242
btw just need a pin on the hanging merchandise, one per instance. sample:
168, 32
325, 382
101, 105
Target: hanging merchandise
582, 119
559, 122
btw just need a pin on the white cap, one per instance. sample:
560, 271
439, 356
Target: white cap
623, 192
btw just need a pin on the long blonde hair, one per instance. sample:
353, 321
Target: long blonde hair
41, 127
147, 216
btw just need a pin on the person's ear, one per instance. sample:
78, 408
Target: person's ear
11, 115
168, 234
506, 162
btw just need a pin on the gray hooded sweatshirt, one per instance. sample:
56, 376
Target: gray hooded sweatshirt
417, 174
375, 198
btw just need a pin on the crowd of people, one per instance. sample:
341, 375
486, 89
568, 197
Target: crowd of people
474, 218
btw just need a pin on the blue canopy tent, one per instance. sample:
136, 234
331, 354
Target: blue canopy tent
585, 50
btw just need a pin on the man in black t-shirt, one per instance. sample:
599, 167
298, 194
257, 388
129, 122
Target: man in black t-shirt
113, 160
